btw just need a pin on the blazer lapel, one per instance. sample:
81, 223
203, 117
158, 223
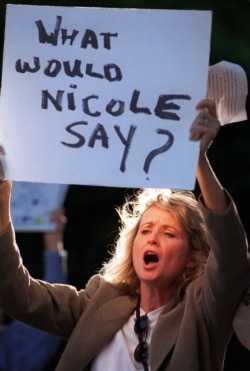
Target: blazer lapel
97, 325
106, 313
165, 334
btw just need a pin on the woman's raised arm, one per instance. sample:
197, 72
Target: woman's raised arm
205, 128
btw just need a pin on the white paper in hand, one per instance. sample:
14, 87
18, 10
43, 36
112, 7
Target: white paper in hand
227, 86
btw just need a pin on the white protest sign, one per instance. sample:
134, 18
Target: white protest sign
102, 96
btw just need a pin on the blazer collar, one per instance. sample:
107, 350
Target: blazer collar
98, 324
165, 333
104, 316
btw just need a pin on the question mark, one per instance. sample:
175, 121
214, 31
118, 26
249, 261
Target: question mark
159, 150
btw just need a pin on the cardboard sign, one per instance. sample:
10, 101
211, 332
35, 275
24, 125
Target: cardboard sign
102, 96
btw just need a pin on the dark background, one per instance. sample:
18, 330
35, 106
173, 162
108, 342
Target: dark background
92, 220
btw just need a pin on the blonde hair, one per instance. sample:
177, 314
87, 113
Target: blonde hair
119, 270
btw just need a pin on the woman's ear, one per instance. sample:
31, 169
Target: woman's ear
191, 263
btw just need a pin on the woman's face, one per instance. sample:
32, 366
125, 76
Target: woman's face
161, 249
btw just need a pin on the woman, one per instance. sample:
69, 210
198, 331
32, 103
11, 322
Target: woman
165, 300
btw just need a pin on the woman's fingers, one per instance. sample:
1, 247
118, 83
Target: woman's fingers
1, 164
206, 124
208, 105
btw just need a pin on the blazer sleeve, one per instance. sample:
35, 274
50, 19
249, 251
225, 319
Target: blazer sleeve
54, 308
227, 270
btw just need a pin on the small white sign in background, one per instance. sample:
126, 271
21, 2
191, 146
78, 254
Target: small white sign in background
102, 96
33, 203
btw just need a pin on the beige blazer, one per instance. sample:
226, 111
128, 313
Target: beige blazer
189, 336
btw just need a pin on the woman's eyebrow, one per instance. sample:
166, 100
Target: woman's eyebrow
147, 224
169, 226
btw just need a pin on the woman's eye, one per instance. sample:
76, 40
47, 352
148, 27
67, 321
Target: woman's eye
145, 231
169, 234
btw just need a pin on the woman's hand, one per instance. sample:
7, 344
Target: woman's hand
206, 125
5, 193
1, 165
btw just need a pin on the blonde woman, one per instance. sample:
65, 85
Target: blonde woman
166, 298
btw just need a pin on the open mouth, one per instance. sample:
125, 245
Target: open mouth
150, 257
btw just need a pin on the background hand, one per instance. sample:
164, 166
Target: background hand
53, 240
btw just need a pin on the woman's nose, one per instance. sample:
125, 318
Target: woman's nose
153, 239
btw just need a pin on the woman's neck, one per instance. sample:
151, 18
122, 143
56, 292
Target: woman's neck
152, 299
